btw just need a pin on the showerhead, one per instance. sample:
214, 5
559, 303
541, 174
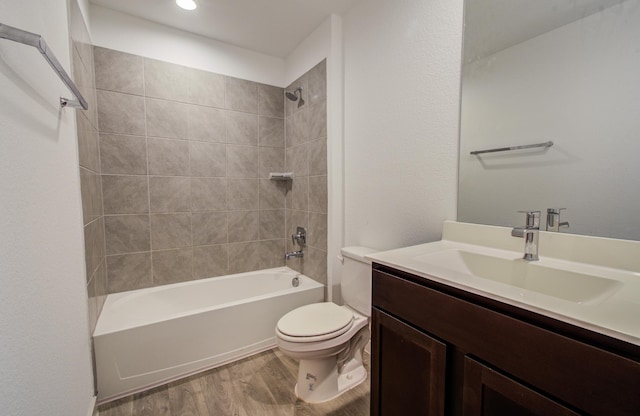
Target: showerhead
293, 96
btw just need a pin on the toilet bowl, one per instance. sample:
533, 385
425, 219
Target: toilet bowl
329, 339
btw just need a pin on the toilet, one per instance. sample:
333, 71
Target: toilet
329, 339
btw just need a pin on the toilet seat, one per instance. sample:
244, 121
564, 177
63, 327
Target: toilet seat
315, 322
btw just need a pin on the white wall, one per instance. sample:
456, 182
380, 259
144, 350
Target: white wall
84, 6
402, 79
115, 30
577, 86
44, 352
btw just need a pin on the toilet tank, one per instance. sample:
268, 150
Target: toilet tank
356, 279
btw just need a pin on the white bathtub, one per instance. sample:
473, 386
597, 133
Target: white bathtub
147, 337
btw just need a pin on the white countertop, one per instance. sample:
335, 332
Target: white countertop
616, 312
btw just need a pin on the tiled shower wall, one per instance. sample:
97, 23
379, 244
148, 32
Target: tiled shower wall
185, 157
89, 159
306, 157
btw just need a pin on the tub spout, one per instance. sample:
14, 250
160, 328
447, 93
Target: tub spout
290, 254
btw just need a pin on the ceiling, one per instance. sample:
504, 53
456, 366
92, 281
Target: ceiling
494, 25
272, 27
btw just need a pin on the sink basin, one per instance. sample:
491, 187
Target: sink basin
537, 277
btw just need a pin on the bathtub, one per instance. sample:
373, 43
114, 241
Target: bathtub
148, 337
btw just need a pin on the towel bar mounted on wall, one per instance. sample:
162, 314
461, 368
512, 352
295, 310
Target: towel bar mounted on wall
507, 149
31, 39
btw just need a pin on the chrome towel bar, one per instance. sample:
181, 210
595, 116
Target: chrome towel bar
506, 149
31, 39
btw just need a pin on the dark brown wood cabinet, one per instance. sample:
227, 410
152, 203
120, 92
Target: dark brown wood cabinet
407, 354
438, 350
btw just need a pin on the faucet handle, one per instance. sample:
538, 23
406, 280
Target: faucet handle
300, 236
553, 219
533, 219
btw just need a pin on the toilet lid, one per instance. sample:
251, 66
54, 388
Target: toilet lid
315, 319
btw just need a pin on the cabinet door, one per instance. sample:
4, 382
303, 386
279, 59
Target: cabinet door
408, 369
489, 393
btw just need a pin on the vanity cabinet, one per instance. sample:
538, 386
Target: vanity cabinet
439, 350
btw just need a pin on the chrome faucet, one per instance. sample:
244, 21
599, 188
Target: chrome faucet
553, 220
290, 254
530, 234
300, 237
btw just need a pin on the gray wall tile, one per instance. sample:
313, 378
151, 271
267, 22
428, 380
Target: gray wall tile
317, 152
318, 194
123, 154
317, 231
91, 195
169, 194
298, 128
242, 95
208, 159
129, 272
306, 156
242, 161
101, 284
271, 102
209, 228
271, 253
272, 194
165, 80
170, 231
168, 157
210, 261
315, 265
93, 304
127, 233
317, 119
271, 160
272, 224
207, 124
94, 248
205, 88
297, 160
243, 257
317, 79
242, 193
208, 194
243, 226
118, 71
271, 131
167, 119
172, 266
125, 194
242, 128
88, 147
300, 194
121, 113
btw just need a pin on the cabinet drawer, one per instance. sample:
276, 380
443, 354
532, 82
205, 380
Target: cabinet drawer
584, 377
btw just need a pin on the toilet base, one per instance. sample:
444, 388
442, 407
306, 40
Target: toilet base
321, 382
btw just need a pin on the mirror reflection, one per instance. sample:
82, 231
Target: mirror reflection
565, 72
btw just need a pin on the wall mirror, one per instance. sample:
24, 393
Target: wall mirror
561, 71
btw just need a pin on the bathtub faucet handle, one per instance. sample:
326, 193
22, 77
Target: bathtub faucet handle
300, 236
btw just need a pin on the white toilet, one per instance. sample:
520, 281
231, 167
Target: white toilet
329, 339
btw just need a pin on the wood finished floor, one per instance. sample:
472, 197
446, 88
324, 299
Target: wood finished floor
261, 385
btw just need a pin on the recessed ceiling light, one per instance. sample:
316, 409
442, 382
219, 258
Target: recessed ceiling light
187, 4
